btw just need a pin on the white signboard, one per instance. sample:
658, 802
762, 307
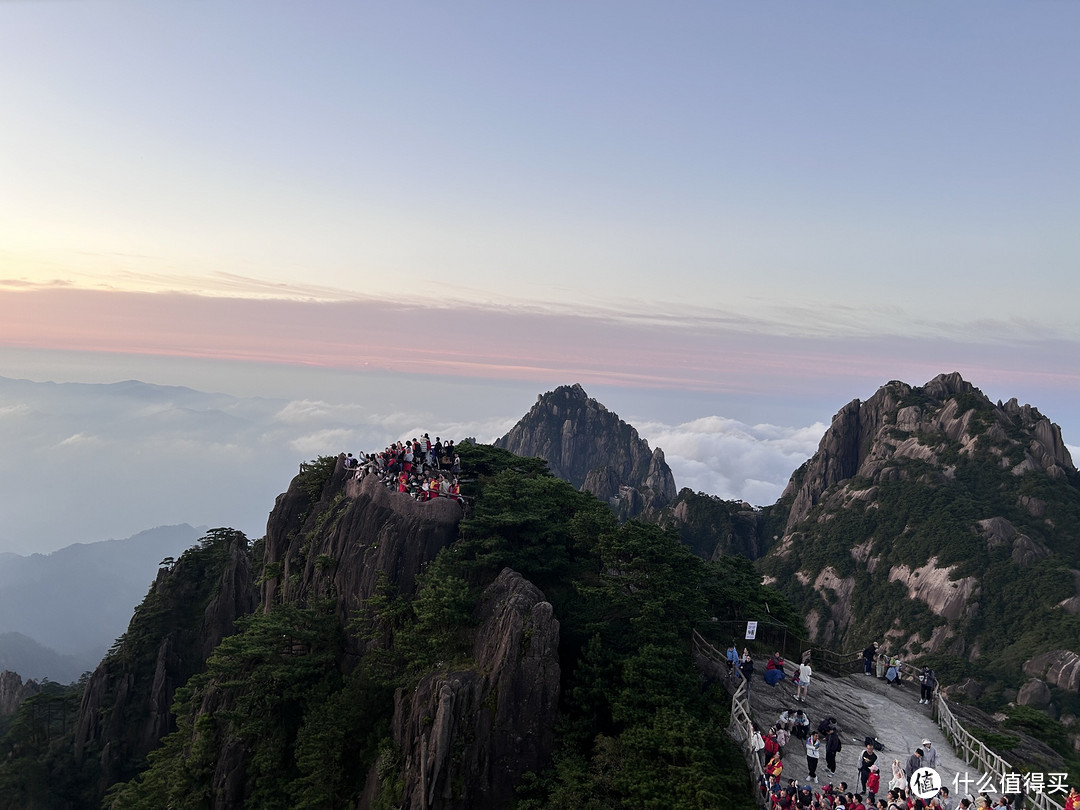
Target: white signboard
751, 630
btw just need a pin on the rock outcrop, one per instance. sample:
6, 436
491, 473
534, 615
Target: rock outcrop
900, 422
592, 448
1060, 668
354, 535
1034, 693
13, 691
126, 707
467, 735
927, 488
712, 527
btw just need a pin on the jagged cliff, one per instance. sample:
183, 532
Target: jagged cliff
713, 527
13, 691
126, 706
405, 656
466, 736
936, 521
592, 448
948, 415
347, 539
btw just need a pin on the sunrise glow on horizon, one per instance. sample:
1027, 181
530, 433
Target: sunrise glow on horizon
728, 200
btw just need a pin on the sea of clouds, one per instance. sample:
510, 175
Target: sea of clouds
84, 462
731, 459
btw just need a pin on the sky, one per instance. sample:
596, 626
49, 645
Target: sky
727, 219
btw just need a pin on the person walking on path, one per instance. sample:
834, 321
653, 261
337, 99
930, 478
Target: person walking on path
927, 683
832, 748
733, 662
914, 762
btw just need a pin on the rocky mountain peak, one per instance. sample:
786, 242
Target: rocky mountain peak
592, 448
919, 509
948, 415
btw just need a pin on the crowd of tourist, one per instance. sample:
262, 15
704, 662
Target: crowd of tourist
781, 792
418, 467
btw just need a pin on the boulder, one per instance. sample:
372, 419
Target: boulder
1034, 693
1061, 668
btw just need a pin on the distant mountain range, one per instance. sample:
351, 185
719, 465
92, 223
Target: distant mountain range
60, 612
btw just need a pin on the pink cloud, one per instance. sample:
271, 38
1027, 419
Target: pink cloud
504, 343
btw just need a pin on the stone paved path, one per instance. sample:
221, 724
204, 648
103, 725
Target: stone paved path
863, 706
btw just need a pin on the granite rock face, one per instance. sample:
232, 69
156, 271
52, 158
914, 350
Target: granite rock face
865, 439
13, 691
944, 453
592, 448
126, 707
355, 535
468, 735
1034, 693
1060, 668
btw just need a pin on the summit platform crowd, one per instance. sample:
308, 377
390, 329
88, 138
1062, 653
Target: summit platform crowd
418, 467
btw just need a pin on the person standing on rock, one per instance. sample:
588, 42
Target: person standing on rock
813, 754
733, 661
929, 758
868, 658
866, 762
873, 784
804, 680
747, 670
899, 778
914, 762
832, 748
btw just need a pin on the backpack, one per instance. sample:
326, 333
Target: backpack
756, 741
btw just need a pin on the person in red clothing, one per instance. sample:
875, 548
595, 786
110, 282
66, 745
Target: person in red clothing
873, 784
783, 801
1072, 801
775, 766
772, 745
